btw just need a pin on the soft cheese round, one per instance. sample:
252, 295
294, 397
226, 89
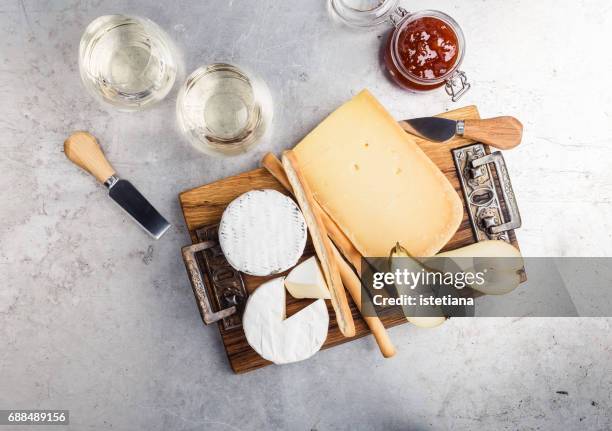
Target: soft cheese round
281, 340
262, 232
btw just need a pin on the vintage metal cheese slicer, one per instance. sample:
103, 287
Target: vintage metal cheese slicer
83, 150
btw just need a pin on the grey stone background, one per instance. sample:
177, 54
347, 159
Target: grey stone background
97, 318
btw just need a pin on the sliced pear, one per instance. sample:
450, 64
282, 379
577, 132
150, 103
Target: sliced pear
426, 322
498, 282
497, 260
491, 248
306, 281
429, 316
494, 254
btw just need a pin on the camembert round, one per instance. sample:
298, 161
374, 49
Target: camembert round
277, 338
262, 232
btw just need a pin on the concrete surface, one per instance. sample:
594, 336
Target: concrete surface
97, 318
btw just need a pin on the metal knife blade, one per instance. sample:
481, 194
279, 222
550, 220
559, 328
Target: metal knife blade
137, 206
432, 128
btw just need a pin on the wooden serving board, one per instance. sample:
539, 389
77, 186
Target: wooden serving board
204, 206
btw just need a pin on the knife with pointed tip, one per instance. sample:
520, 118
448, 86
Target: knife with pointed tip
499, 132
82, 149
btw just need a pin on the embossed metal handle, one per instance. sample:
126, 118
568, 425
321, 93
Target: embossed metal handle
506, 187
197, 283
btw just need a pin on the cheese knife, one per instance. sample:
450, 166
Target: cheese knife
83, 149
499, 132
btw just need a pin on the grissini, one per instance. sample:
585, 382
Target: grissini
353, 285
321, 243
275, 167
349, 278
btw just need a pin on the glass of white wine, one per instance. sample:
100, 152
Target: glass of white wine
224, 110
127, 61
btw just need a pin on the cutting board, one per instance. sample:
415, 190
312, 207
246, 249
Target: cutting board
204, 206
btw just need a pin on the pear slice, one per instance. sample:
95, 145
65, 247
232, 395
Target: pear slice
433, 314
427, 322
497, 260
499, 282
306, 281
491, 248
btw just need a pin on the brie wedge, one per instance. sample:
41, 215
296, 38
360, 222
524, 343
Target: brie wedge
262, 232
276, 338
306, 281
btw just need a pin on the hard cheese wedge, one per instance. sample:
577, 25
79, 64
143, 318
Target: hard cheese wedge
371, 177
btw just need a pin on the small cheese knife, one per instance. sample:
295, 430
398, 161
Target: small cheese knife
499, 132
83, 150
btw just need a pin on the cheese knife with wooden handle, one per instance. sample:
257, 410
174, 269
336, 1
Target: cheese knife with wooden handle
82, 149
321, 243
499, 132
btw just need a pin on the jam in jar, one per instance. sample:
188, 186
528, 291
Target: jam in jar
424, 52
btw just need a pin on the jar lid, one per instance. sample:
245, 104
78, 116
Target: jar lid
363, 13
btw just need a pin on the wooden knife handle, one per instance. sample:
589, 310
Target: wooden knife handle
353, 285
499, 132
83, 150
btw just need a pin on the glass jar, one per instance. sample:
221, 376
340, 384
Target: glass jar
422, 52
224, 110
363, 13
127, 61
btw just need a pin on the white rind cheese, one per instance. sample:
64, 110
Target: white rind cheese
276, 338
306, 281
262, 232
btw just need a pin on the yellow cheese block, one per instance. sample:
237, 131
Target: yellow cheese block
376, 183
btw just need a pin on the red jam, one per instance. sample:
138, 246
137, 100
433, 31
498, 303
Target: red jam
427, 48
